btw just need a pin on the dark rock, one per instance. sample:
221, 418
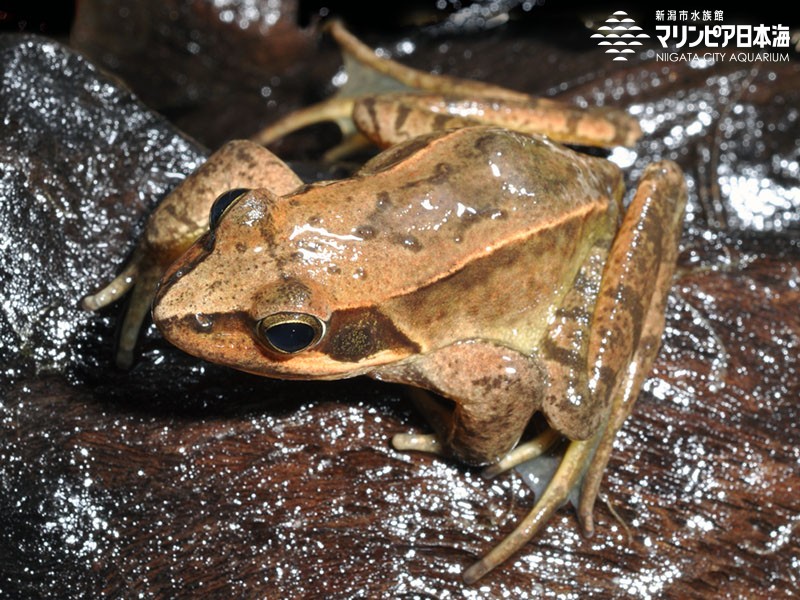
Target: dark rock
82, 162
218, 69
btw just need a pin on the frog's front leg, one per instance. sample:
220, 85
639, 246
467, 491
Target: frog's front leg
178, 221
491, 409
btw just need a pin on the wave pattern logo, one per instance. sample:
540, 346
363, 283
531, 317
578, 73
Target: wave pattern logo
619, 33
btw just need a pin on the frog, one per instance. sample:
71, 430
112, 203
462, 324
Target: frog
477, 260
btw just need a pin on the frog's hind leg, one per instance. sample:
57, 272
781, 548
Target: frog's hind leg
525, 452
420, 102
625, 334
657, 208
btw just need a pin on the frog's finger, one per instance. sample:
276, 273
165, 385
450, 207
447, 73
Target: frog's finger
406, 442
566, 477
523, 453
116, 289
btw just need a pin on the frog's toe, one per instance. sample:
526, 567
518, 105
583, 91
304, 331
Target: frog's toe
566, 478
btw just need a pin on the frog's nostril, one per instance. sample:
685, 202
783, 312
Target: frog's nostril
289, 333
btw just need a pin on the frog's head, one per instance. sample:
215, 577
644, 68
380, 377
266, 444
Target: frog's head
241, 296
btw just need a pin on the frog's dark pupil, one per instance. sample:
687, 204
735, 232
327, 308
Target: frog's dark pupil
290, 337
221, 204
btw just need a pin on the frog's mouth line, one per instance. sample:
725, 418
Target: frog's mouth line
230, 339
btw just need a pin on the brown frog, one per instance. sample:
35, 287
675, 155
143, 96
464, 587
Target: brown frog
494, 268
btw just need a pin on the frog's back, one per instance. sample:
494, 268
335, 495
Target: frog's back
427, 209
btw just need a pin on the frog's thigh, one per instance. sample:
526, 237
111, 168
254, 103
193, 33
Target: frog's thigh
569, 405
495, 391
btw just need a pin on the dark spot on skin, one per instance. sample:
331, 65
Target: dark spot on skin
353, 342
361, 332
563, 356
630, 298
314, 220
407, 241
243, 156
295, 257
201, 323
402, 114
608, 377
396, 154
442, 174
365, 232
384, 201
576, 313
490, 382
485, 143
241, 248
441, 121
468, 219
369, 105
292, 291
334, 270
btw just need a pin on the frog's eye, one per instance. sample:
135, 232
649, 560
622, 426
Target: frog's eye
289, 332
223, 203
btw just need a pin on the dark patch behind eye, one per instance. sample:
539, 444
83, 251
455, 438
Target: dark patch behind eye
358, 333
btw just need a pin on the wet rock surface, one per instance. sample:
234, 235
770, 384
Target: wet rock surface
82, 162
180, 478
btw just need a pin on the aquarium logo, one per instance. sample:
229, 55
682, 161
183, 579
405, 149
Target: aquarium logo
619, 35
